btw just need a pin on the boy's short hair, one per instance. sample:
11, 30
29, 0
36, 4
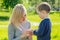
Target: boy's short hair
44, 6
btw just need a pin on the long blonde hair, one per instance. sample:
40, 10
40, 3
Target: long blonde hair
17, 14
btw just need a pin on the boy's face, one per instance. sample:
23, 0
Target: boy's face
42, 14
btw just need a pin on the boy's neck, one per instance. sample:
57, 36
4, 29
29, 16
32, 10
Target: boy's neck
47, 16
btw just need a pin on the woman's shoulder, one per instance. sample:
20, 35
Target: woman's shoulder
28, 22
11, 26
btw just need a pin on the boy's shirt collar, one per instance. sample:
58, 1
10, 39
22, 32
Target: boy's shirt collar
46, 18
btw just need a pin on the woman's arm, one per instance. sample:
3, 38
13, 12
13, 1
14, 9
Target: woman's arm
11, 33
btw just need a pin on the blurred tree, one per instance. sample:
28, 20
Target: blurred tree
51, 2
10, 3
44, 0
32, 5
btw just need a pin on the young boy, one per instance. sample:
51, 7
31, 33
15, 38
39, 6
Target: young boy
44, 30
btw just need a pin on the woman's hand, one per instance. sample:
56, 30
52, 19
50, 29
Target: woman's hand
27, 33
30, 32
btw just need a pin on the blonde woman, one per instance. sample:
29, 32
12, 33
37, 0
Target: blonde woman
18, 24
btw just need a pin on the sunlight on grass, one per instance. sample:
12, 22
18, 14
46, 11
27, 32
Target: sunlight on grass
54, 35
4, 22
5, 14
3, 34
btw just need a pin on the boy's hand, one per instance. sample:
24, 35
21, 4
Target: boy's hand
29, 31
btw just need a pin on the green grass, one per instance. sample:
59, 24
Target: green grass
5, 14
3, 33
55, 32
55, 35
55, 18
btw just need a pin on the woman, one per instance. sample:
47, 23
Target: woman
18, 24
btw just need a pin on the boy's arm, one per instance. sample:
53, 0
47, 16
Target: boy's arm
40, 31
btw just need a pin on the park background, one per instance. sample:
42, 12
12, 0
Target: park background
6, 7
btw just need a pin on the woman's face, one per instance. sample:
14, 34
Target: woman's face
23, 18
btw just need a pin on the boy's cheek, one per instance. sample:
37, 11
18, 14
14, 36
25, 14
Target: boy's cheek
41, 16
